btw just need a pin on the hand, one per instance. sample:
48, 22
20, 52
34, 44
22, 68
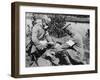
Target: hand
51, 43
65, 45
41, 47
58, 47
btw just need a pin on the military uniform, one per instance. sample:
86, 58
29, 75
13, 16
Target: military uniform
75, 52
40, 38
37, 35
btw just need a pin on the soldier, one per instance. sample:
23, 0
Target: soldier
39, 35
75, 52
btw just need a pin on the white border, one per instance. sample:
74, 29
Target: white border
37, 70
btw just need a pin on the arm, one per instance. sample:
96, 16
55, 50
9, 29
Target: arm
48, 37
34, 36
35, 39
78, 46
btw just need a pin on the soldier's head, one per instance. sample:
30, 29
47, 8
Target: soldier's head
39, 21
43, 20
46, 20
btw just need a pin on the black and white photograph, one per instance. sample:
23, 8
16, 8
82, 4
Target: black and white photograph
56, 39
52, 39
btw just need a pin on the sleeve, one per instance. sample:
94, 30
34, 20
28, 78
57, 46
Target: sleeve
48, 37
34, 36
79, 46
